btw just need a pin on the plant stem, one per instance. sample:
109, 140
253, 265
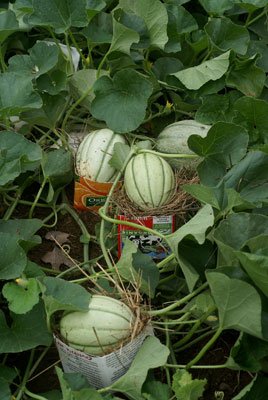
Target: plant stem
103, 210
69, 52
74, 106
33, 395
194, 328
56, 42
167, 155
256, 18
178, 303
2, 61
23, 384
76, 46
162, 263
37, 198
195, 366
194, 341
15, 201
205, 348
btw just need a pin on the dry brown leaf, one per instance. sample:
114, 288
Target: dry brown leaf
56, 258
61, 237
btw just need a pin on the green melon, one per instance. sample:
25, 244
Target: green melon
149, 181
173, 139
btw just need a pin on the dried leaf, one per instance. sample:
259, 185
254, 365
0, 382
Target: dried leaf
56, 258
61, 237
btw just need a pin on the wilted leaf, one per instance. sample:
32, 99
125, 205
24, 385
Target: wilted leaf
56, 258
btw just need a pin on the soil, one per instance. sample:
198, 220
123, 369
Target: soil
218, 380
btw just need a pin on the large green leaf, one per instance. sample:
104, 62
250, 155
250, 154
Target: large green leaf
256, 267
249, 177
13, 258
155, 16
123, 38
182, 20
238, 228
215, 6
99, 30
59, 294
60, 15
48, 114
225, 35
18, 155
26, 331
255, 390
224, 146
35, 64
253, 115
195, 77
121, 102
17, 95
8, 24
57, 168
238, 303
217, 107
152, 354
80, 82
246, 77
24, 230
195, 228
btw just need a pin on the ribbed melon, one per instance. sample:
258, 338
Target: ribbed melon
149, 181
173, 139
107, 323
94, 153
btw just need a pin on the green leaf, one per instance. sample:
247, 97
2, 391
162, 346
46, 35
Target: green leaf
182, 20
121, 102
203, 193
21, 298
246, 77
8, 24
7, 375
57, 169
224, 146
123, 38
185, 387
138, 268
19, 155
99, 30
59, 294
196, 228
155, 16
216, 7
26, 332
13, 258
152, 354
35, 64
80, 83
52, 83
156, 390
17, 95
48, 114
249, 177
120, 153
195, 77
59, 15
24, 230
238, 303
259, 47
256, 267
253, 115
255, 389
225, 35
217, 107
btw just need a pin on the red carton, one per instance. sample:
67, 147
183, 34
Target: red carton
149, 244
